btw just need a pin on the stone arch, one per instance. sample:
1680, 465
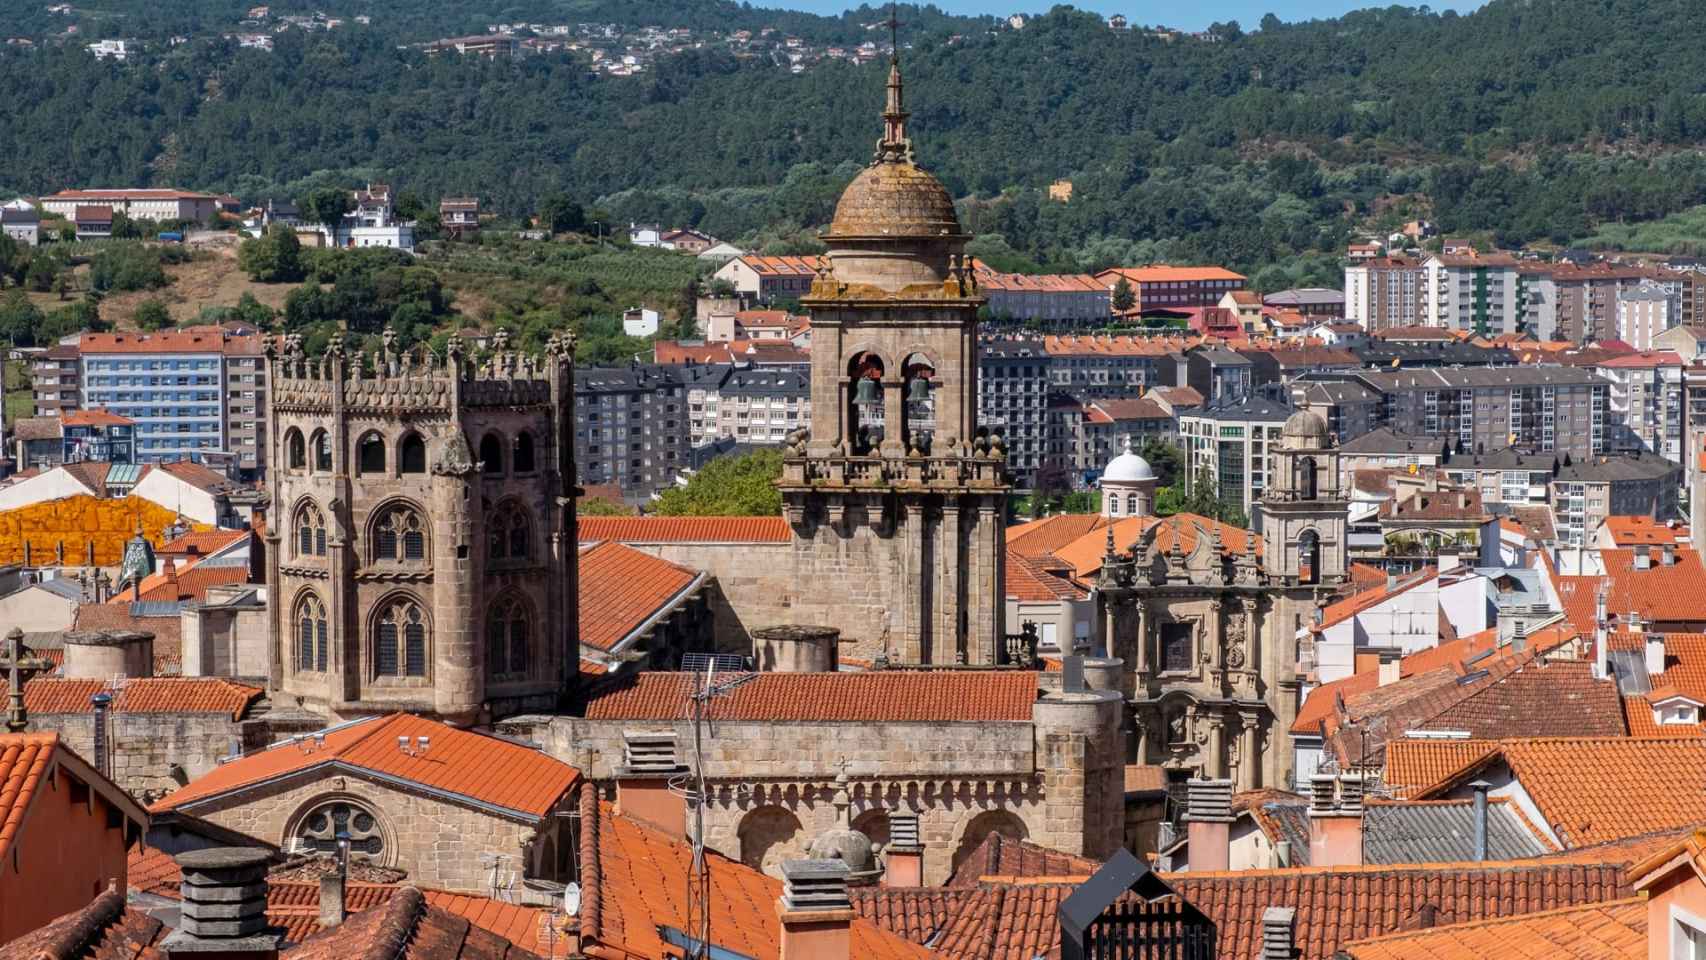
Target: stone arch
412, 453
320, 449
1308, 556
980, 826
523, 456
316, 823
309, 526
1306, 478
866, 414
491, 453
400, 636
509, 531
295, 451
370, 454
874, 824
398, 532
769, 835
308, 631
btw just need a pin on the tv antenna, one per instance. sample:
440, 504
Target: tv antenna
709, 677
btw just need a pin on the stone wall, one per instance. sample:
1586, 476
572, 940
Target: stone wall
144, 746
438, 843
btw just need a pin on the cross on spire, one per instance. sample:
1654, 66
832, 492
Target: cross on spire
894, 147
893, 24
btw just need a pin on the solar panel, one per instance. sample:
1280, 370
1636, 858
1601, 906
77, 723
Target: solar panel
1630, 669
156, 608
718, 662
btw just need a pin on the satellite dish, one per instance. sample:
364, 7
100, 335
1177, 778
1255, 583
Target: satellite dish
572, 899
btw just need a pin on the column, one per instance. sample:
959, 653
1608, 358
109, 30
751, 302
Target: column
1143, 667
1247, 767
949, 638
894, 416
1215, 763
915, 577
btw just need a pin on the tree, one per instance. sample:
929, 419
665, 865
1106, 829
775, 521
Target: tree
600, 507
152, 314
19, 320
274, 258
325, 206
1164, 458
1125, 298
743, 486
559, 214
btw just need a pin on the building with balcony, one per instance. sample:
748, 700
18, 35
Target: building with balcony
1229, 444
631, 427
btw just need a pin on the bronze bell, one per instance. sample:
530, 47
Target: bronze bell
867, 393
918, 391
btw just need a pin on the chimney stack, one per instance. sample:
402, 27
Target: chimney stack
1277, 936
1209, 824
816, 913
1669, 554
101, 702
1480, 787
332, 910
1655, 654
642, 784
904, 856
224, 893
1335, 820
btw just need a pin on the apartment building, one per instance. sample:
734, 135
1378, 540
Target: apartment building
1474, 292
1316, 303
768, 279
1104, 426
55, 377
1044, 298
1104, 365
631, 427
1585, 492
1562, 409
1385, 293
1644, 402
1162, 286
1646, 310
1219, 374
746, 404
135, 204
1229, 444
1012, 393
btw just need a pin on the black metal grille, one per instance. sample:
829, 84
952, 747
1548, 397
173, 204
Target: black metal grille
1134, 930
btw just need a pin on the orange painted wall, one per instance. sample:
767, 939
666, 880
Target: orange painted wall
77, 521
1682, 889
64, 855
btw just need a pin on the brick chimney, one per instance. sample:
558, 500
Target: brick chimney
1278, 939
816, 914
642, 784
1209, 824
1335, 820
903, 857
224, 917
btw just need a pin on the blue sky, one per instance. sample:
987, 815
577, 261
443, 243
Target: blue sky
1188, 16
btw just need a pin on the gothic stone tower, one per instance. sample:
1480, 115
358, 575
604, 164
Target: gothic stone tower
404, 572
896, 496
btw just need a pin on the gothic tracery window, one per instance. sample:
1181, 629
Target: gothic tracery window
399, 536
400, 639
506, 637
319, 830
311, 640
508, 533
310, 531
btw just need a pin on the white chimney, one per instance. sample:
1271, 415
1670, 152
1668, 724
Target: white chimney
1655, 654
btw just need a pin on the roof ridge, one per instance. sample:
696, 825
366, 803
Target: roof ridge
72, 939
1495, 921
396, 924
592, 868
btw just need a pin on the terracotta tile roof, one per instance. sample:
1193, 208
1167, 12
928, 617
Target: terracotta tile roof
104, 930
1004, 856
1085, 553
167, 631
129, 193
1365, 575
1662, 594
45, 695
1414, 765
782, 266
1032, 581
1039, 538
1436, 505
877, 696
622, 589
407, 927
1114, 411
1613, 930
198, 475
629, 873
1338, 905
166, 341
1179, 396
1351, 606
1536, 522
152, 870
685, 529
520, 780
98, 417
1074, 345
915, 913
1638, 714
203, 542
1156, 274
1634, 531
24, 761
190, 583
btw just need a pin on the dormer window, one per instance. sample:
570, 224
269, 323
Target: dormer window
1672, 708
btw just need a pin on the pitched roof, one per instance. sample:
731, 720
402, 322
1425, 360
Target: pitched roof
204, 542
24, 761
1158, 273
1033, 581
629, 873
916, 913
1351, 606
45, 695
518, 781
98, 417
1415, 765
1634, 531
167, 631
623, 589
1039, 538
406, 927
1614, 930
105, 929
920, 696
190, 583
685, 529
1663, 593
1443, 831
1000, 855
1085, 553
1336, 905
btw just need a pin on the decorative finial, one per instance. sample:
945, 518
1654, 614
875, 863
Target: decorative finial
894, 147
500, 339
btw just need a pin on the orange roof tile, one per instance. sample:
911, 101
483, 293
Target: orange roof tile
685, 529
1039, 538
407, 926
1662, 594
522, 781
1085, 553
190, 582
44, 695
1613, 930
621, 589
1634, 531
1156, 274
1638, 714
204, 542
24, 760
1351, 606
1031, 581
98, 417
105, 929
630, 872
883, 695
1003, 856
1413, 765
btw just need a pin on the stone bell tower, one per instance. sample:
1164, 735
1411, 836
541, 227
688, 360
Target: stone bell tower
896, 496
1303, 510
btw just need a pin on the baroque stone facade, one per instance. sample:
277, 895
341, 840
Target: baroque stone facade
1210, 636
407, 570
896, 496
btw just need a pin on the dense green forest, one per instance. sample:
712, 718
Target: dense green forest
1533, 120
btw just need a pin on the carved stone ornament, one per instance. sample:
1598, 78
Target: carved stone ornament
1235, 656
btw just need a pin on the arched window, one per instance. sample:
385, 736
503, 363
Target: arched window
296, 452
1131, 504
508, 533
310, 531
506, 637
400, 639
1308, 557
491, 454
411, 458
865, 408
341, 820
1113, 504
310, 633
399, 535
371, 453
523, 461
1306, 478
322, 445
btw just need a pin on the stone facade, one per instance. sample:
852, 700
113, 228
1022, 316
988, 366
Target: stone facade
423, 553
153, 754
440, 843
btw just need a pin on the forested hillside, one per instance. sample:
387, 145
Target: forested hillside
1531, 119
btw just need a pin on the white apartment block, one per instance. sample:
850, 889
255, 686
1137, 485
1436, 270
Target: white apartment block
1385, 293
1473, 292
746, 404
135, 204
1646, 310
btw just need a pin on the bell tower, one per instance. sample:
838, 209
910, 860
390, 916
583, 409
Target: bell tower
1303, 510
896, 496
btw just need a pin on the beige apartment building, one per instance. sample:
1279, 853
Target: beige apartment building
135, 204
1385, 293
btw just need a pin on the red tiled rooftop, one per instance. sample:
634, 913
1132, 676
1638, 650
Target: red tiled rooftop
622, 588
919, 696
1614, 930
685, 529
1031, 581
1039, 538
203, 542
99, 417
46, 695
1636, 531
1351, 606
500, 773
24, 760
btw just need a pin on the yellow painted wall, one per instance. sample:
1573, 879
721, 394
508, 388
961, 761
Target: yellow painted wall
77, 521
